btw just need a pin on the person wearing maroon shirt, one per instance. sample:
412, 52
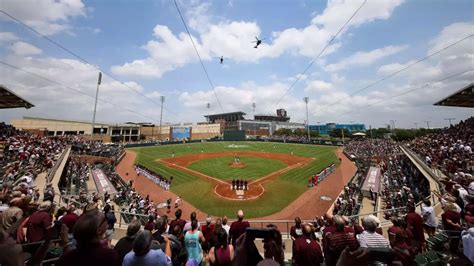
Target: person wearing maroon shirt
306, 249
327, 231
238, 227
415, 224
338, 241
39, 223
207, 230
178, 221
88, 232
296, 231
452, 222
70, 218
150, 225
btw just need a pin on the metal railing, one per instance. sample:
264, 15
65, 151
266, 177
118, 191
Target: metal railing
53, 170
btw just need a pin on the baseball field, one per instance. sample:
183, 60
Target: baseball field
277, 173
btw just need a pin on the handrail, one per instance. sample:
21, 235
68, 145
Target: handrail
53, 170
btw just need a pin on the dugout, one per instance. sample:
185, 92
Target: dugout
234, 135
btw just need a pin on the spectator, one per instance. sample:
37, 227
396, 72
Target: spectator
111, 220
40, 222
223, 252
88, 232
227, 227
296, 231
207, 230
192, 242
142, 254
150, 225
338, 241
415, 225
307, 250
451, 219
238, 227
468, 239
429, 217
125, 244
272, 248
187, 226
178, 221
70, 218
49, 193
369, 238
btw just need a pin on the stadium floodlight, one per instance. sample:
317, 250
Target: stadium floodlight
450, 119
95, 105
306, 100
162, 100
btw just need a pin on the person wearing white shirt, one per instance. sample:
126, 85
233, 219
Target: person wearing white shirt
429, 217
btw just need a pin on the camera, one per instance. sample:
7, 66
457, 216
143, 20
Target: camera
264, 233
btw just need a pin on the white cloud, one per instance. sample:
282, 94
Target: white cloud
25, 49
54, 101
46, 16
365, 58
317, 86
8, 37
338, 11
417, 105
232, 39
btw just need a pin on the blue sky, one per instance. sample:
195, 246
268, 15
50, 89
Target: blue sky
144, 44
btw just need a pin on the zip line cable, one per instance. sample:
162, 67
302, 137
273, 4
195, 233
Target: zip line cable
199, 56
319, 55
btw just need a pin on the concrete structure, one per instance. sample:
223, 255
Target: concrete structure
327, 128
58, 127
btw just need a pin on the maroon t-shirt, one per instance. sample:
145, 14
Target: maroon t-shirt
469, 208
296, 232
453, 216
150, 226
70, 220
207, 231
38, 226
237, 228
416, 222
178, 222
90, 255
307, 252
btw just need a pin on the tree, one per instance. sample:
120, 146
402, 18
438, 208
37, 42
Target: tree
337, 133
283, 131
142, 137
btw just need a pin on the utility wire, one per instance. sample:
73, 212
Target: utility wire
320, 53
83, 60
73, 89
398, 71
199, 56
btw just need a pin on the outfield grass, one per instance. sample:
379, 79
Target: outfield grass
278, 193
254, 167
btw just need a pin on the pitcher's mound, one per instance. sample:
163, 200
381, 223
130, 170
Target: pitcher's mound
237, 165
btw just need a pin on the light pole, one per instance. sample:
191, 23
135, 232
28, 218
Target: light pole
306, 100
428, 124
416, 126
95, 105
450, 119
162, 99
208, 106
253, 106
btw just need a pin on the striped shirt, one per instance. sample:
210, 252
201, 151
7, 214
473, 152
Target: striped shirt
372, 240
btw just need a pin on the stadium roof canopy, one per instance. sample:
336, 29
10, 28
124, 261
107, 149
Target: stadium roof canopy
9, 99
462, 98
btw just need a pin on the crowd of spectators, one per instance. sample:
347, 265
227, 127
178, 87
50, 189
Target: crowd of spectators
449, 150
26, 155
157, 178
372, 148
74, 178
